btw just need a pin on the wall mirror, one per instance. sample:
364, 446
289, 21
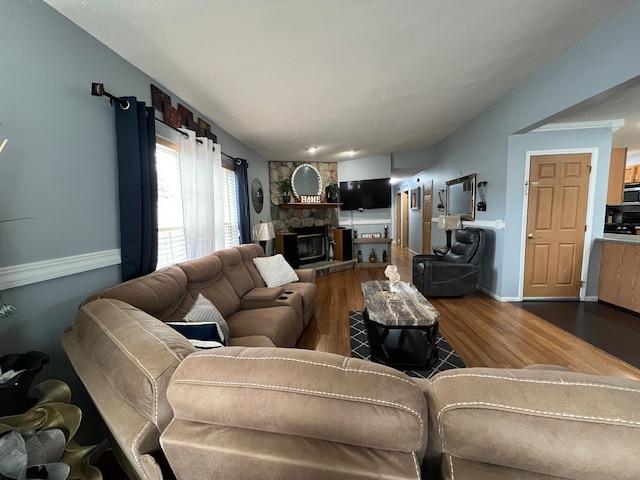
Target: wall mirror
461, 197
306, 180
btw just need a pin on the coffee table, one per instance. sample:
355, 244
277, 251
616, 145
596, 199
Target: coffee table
401, 325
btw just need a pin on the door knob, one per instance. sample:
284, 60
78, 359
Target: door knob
531, 235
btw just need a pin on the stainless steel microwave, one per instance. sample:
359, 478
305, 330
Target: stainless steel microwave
631, 194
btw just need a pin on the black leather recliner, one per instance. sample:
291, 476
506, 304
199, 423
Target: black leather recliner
456, 273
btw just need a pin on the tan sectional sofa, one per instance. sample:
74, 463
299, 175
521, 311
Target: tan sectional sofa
257, 315
260, 412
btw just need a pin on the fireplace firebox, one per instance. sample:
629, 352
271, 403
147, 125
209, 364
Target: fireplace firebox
311, 243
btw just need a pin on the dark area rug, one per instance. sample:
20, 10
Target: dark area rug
447, 357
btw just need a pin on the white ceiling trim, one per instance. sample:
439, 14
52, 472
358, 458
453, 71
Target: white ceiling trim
612, 125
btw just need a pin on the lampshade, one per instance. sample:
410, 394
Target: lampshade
449, 222
263, 231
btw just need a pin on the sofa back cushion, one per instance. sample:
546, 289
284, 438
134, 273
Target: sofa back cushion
205, 275
250, 251
235, 271
159, 293
553, 422
468, 247
136, 353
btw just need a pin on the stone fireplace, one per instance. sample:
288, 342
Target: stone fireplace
289, 219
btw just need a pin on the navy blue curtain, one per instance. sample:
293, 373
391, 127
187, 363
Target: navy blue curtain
138, 188
242, 189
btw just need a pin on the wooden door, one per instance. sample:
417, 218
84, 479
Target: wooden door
398, 218
404, 242
427, 207
557, 208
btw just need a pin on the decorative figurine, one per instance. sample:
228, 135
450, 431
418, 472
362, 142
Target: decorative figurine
391, 272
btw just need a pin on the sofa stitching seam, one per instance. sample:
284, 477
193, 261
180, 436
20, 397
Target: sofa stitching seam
545, 382
309, 362
416, 465
301, 390
536, 412
135, 453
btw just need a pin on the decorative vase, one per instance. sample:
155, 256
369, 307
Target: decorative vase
359, 256
384, 256
331, 251
373, 258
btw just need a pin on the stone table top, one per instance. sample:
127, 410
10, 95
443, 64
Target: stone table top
399, 306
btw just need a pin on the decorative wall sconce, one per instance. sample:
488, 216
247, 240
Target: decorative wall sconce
441, 203
482, 192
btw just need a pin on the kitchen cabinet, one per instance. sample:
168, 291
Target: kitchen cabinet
617, 176
632, 174
619, 266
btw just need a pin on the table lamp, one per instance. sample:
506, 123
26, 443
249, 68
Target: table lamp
448, 223
263, 232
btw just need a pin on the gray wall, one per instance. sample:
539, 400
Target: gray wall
606, 57
60, 168
519, 145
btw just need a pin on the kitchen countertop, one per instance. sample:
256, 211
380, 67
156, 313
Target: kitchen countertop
616, 237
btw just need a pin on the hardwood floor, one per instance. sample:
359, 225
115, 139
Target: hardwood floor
484, 331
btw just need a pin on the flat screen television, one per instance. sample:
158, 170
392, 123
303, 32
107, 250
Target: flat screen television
365, 194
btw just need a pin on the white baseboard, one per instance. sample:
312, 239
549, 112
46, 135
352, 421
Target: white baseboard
28, 273
497, 297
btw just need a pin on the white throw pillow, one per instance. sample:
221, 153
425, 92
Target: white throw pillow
203, 310
275, 271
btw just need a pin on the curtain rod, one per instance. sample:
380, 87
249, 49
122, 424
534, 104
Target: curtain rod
97, 90
185, 135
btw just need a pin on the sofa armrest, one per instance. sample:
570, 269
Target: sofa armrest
542, 420
307, 275
424, 258
302, 393
263, 294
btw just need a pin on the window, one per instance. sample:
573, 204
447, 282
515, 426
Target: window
171, 243
171, 235
231, 230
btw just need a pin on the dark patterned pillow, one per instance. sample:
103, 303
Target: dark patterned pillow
201, 334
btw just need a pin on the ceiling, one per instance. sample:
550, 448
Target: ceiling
619, 103
374, 76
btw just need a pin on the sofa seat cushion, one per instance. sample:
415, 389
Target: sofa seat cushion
279, 324
309, 293
251, 341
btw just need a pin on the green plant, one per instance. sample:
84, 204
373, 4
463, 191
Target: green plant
333, 188
284, 185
